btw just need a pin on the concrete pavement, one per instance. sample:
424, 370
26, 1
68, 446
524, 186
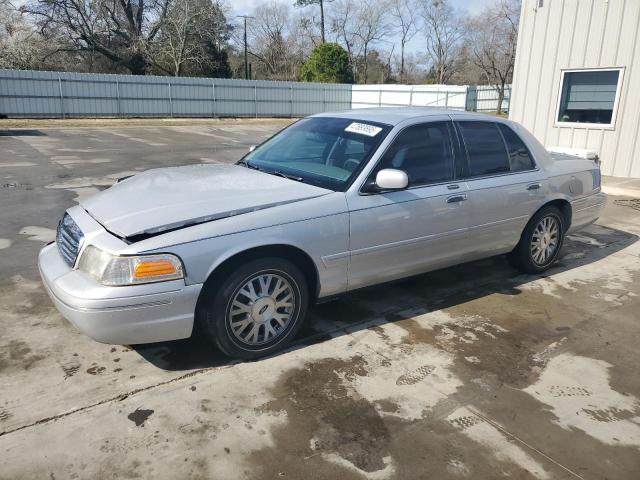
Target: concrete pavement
472, 372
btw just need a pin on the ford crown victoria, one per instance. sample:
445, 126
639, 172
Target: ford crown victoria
333, 203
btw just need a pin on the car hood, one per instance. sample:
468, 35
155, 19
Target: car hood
169, 198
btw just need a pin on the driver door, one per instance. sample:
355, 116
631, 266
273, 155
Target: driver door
396, 234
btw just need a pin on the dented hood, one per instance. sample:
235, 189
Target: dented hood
168, 198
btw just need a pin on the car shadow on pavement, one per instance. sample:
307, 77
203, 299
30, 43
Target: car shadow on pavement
427, 292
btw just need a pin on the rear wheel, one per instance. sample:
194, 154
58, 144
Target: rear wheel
257, 309
541, 241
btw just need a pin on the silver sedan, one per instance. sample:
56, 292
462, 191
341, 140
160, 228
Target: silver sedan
333, 203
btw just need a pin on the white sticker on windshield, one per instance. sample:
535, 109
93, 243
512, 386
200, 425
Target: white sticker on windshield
364, 129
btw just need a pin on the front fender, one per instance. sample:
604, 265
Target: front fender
320, 238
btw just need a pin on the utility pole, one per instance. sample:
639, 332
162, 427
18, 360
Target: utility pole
246, 61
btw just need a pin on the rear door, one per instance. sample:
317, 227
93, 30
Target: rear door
505, 186
396, 234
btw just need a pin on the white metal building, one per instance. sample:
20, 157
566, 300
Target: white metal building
577, 78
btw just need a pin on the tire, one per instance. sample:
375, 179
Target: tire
249, 314
537, 259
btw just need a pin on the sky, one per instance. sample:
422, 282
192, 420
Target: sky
245, 7
240, 7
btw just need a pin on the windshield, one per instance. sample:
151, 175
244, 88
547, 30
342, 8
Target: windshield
326, 152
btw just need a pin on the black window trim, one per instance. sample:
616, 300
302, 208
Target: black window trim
466, 161
452, 136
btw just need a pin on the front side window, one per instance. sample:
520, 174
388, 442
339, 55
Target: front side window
423, 152
588, 96
485, 148
322, 151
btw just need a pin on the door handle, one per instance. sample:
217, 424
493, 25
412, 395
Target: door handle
456, 198
534, 186
453, 187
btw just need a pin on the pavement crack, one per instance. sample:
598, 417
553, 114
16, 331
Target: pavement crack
117, 398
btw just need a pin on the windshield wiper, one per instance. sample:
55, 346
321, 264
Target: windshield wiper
271, 172
245, 163
283, 175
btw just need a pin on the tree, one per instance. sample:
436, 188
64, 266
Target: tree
21, 47
329, 63
343, 27
270, 43
443, 34
371, 27
492, 39
405, 17
191, 40
320, 3
121, 30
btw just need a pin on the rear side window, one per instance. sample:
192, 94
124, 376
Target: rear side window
422, 151
519, 155
485, 147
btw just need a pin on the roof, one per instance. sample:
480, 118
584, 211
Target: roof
395, 115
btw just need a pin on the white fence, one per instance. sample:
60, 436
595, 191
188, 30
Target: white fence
457, 97
29, 94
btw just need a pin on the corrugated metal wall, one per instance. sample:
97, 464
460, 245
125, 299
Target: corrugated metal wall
32, 94
64, 94
580, 34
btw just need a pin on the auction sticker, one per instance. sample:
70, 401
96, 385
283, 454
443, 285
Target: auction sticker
363, 129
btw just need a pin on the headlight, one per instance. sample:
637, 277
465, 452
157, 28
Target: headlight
113, 270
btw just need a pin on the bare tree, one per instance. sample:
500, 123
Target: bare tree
320, 3
371, 27
405, 14
414, 67
492, 39
343, 27
270, 40
443, 34
121, 30
193, 32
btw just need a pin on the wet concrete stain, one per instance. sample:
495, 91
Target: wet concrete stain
4, 415
324, 417
611, 414
18, 352
139, 416
70, 369
95, 370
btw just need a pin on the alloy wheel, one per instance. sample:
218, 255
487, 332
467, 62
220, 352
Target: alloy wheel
545, 240
261, 309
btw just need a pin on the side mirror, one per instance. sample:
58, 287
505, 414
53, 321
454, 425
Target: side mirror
391, 179
252, 148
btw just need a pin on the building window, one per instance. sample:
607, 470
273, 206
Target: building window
589, 97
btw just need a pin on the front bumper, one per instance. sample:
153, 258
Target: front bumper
120, 315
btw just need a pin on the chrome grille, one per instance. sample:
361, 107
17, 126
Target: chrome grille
69, 239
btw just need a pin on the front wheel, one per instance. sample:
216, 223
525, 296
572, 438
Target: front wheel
541, 241
257, 309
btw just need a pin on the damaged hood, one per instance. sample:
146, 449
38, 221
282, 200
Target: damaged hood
168, 198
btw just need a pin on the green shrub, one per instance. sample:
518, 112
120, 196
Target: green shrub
328, 63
